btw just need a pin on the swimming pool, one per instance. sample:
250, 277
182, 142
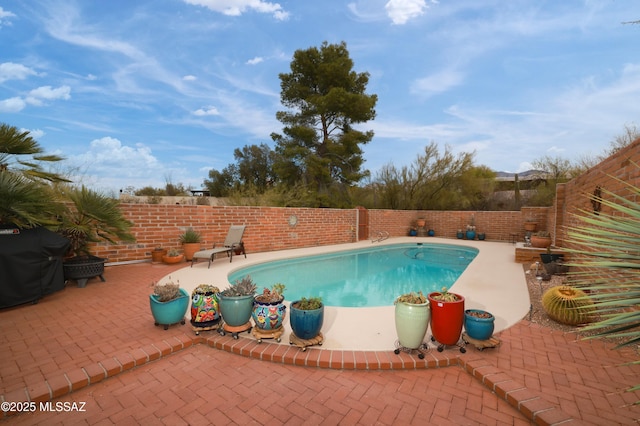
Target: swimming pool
367, 277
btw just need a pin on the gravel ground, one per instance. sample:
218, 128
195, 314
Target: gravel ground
539, 316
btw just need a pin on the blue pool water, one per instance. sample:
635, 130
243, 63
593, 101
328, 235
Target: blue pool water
365, 277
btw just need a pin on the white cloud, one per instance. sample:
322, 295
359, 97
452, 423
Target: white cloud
36, 96
35, 133
255, 60
189, 78
208, 111
13, 71
400, 11
238, 7
16, 104
438, 82
4, 14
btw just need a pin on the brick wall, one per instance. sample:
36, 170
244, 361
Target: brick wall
268, 229
610, 174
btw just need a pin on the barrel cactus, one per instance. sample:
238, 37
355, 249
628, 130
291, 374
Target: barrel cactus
568, 305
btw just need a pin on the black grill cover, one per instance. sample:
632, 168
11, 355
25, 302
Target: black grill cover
30, 264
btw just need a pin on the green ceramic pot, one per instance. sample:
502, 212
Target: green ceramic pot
412, 321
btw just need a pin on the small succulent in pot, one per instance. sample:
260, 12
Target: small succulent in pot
412, 298
445, 296
308, 304
273, 295
166, 292
242, 287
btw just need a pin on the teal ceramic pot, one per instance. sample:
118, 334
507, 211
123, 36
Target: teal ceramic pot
235, 311
471, 235
269, 316
431, 233
412, 321
478, 324
171, 312
306, 324
460, 235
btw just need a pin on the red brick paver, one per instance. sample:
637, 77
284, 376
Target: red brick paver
98, 346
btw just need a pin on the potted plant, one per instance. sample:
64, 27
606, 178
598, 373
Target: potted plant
413, 231
157, 253
168, 304
447, 317
205, 308
459, 234
541, 239
470, 233
411, 319
90, 217
269, 312
482, 236
269, 309
190, 240
431, 232
172, 256
307, 317
478, 324
530, 225
236, 304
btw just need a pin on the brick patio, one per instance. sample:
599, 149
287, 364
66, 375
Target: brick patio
98, 345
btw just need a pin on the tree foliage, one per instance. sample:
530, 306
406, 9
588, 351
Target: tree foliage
320, 146
434, 181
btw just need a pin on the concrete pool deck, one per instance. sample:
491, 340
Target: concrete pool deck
492, 282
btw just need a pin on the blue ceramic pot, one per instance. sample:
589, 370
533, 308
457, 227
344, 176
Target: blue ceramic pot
269, 316
431, 233
171, 312
306, 324
478, 324
471, 235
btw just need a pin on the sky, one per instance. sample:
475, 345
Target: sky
137, 93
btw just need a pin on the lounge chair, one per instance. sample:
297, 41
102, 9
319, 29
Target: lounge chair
231, 243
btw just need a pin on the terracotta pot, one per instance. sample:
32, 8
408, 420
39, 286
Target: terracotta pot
530, 226
189, 249
540, 242
172, 259
156, 255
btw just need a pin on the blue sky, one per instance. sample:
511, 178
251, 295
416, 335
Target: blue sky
135, 93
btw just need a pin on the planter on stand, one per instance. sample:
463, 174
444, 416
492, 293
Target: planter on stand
236, 313
171, 312
412, 314
268, 318
306, 319
236, 304
205, 308
447, 318
478, 324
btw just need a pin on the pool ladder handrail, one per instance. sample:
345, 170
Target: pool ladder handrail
380, 236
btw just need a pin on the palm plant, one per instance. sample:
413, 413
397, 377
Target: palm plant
606, 263
15, 143
93, 217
